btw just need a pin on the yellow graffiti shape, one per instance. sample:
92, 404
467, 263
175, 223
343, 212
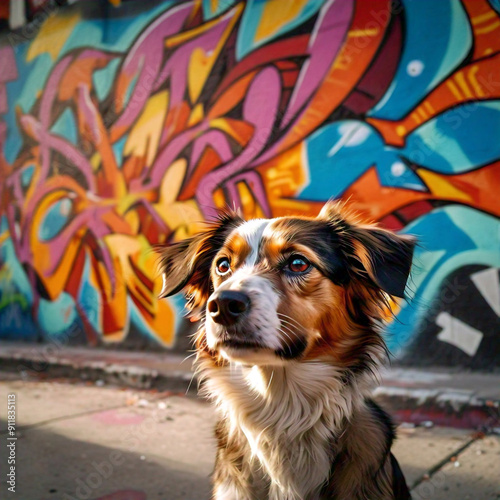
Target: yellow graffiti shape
144, 138
133, 257
4, 237
439, 185
52, 36
182, 217
275, 15
201, 63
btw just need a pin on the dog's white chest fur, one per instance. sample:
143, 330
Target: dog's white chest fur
289, 415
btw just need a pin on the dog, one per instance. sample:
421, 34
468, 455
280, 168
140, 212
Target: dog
289, 349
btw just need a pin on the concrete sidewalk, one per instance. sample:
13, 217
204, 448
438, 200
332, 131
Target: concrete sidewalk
448, 398
82, 441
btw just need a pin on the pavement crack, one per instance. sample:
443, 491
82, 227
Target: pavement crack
455, 453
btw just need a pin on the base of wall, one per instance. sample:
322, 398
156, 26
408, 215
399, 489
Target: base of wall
417, 397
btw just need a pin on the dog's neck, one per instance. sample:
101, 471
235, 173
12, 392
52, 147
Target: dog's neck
290, 415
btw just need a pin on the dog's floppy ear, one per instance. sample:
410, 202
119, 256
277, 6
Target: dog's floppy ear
179, 262
374, 253
385, 256
186, 264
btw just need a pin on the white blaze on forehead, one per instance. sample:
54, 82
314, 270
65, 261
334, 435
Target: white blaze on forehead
262, 323
252, 231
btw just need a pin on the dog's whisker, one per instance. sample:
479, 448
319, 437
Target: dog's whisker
296, 335
292, 332
190, 382
286, 316
284, 333
292, 325
289, 338
189, 356
270, 380
289, 346
295, 325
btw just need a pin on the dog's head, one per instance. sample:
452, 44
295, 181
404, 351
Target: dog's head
289, 288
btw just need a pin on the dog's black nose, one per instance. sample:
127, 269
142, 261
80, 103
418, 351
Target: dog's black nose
228, 306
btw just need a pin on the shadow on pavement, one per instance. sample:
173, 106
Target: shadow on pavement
51, 466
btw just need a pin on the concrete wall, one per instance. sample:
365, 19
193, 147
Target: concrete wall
124, 124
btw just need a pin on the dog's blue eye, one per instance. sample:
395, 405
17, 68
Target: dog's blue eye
298, 264
223, 267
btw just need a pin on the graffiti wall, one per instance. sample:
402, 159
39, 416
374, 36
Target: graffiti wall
126, 124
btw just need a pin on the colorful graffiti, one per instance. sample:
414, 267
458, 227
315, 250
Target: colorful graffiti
122, 132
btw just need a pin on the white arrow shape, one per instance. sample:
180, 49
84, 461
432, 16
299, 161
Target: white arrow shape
488, 284
459, 334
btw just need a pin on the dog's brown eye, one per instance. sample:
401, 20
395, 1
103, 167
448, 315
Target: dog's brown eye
223, 267
298, 264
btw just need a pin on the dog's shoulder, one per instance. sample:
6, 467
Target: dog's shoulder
364, 466
399, 485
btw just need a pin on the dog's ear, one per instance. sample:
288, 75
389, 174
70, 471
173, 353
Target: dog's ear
379, 255
385, 256
179, 262
186, 264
